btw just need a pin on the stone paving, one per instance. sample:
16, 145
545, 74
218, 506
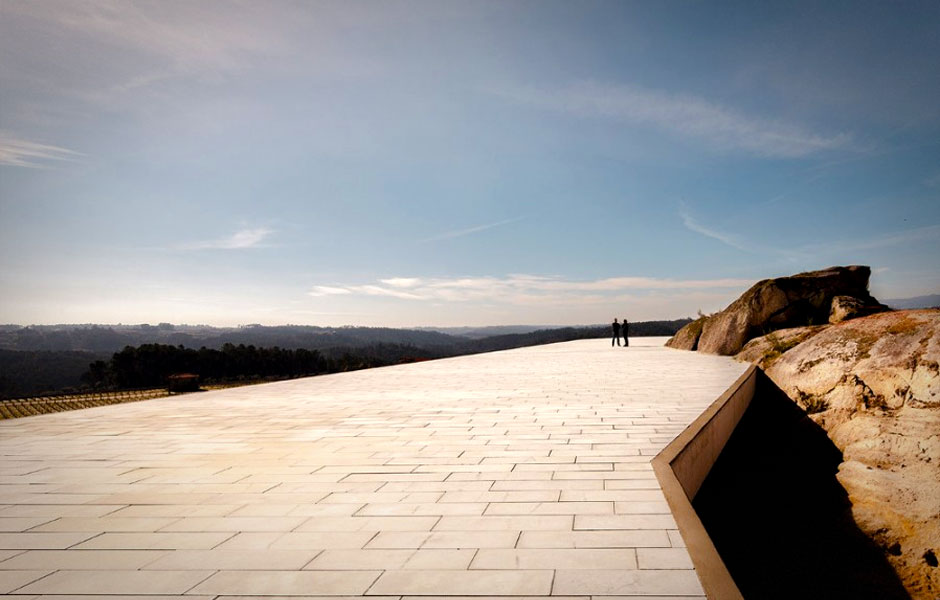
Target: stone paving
522, 473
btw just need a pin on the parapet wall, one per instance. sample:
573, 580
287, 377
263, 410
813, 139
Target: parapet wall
682, 467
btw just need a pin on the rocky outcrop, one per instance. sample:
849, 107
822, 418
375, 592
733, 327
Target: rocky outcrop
873, 384
784, 302
870, 379
795, 301
849, 307
768, 348
687, 337
893, 356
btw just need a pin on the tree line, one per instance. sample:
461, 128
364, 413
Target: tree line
32, 372
114, 338
149, 365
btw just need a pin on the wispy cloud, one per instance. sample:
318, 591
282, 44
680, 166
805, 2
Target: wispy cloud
718, 126
16, 152
246, 238
401, 282
469, 231
520, 289
791, 256
697, 227
326, 290
190, 35
134, 54
377, 290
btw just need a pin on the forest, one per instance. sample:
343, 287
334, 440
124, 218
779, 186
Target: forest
75, 358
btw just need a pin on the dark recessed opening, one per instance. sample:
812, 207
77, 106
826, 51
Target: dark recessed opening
779, 518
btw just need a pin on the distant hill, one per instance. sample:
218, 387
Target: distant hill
113, 338
46, 358
476, 333
931, 301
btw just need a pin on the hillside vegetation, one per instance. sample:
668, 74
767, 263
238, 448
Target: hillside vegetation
56, 358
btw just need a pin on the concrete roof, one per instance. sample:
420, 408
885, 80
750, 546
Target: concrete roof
522, 473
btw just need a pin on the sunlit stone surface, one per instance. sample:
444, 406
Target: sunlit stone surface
522, 473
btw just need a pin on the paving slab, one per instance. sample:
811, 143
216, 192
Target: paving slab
520, 474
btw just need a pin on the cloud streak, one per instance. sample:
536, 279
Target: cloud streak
697, 227
240, 240
469, 231
16, 152
187, 35
520, 289
684, 115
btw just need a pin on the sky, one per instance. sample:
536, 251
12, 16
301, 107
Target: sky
450, 163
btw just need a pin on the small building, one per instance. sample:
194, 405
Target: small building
183, 382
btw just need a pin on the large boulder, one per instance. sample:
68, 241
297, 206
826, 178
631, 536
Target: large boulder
849, 307
873, 384
687, 337
765, 350
771, 304
893, 357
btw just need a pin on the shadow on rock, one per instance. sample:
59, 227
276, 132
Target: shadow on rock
779, 518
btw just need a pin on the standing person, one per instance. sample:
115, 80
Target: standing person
616, 327
626, 332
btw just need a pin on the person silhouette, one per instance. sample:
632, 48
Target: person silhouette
626, 332
616, 327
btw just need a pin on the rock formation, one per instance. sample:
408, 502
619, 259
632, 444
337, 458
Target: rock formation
687, 337
849, 307
870, 379
766, 349
784, 302
873, 384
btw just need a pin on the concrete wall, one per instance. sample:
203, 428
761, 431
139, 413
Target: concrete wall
682, 467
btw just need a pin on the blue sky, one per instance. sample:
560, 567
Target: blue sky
458, 163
